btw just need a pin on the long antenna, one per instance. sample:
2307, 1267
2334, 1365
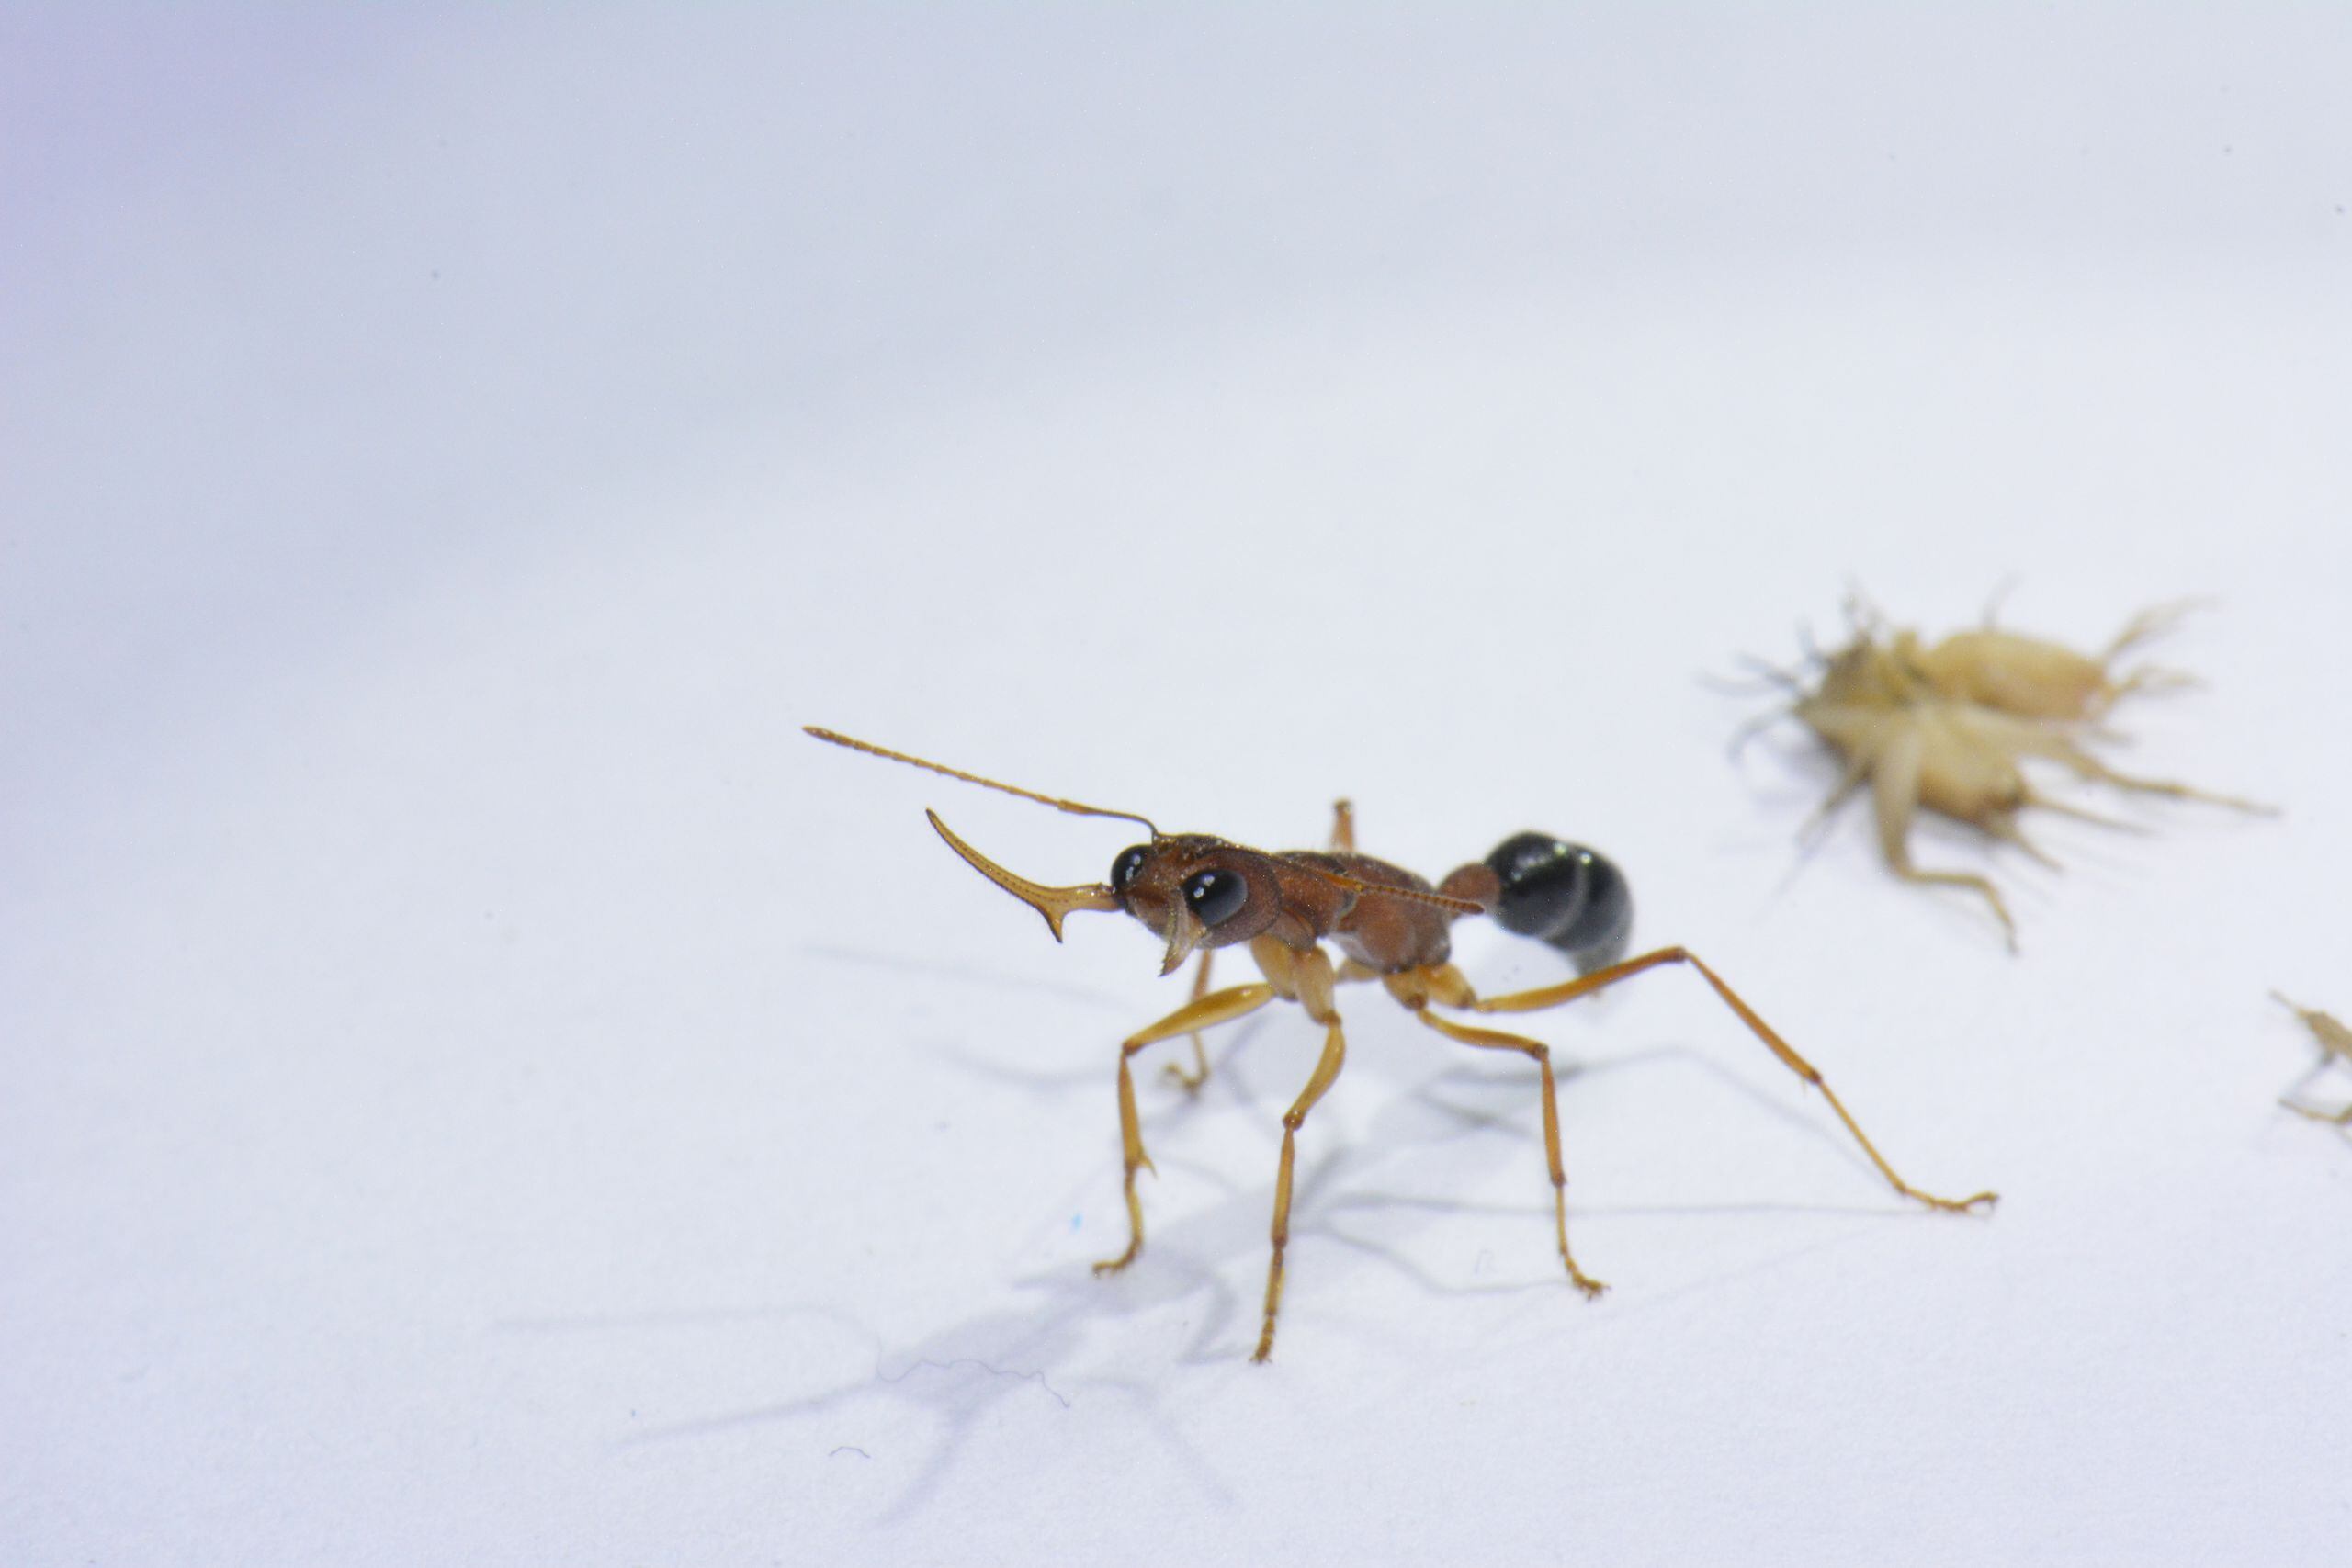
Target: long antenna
1072, 806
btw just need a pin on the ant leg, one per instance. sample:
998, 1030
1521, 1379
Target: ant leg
1193, 1080
1215, 1008
1599, 979
1496, 1040
2334, 1118
1311, 975
1344, 826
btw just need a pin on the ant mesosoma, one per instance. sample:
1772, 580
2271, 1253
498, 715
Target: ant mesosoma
1197, 892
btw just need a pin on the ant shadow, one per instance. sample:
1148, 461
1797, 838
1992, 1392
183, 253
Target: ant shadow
967, 1376
964, 1377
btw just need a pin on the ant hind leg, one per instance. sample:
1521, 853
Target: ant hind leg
1599, 979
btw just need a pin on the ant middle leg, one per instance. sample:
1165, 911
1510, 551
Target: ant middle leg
1415, 990
1218, 1007
1600, 980
1309, 976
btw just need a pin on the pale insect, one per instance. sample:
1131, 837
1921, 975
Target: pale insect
1195, 891
2334, 1047
2033, 678
1948, 729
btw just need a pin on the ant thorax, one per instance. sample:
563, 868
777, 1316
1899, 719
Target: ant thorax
1196, 891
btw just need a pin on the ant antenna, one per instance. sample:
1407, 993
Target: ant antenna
1072, 806
1379, 889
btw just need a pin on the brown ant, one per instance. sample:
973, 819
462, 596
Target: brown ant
1196, 892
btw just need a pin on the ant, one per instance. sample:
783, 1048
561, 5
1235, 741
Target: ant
1201, 892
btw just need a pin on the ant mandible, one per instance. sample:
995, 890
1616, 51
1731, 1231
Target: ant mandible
1197, 892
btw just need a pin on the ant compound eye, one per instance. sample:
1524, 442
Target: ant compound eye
1126, 868
1216, 896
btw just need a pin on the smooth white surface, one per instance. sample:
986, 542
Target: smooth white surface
482, 1087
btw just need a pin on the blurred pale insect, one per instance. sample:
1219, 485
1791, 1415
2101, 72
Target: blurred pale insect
1947, 728
2334, 1048
2032, 678
1199, 893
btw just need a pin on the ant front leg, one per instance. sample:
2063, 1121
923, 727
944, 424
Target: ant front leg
1343, 840
1600, 980
1218, 1007
1308, 977
1191, 1082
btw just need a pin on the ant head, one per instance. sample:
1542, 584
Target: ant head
1188, 888
1191, 890
1196, 891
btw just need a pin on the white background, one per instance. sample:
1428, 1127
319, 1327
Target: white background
482, 1087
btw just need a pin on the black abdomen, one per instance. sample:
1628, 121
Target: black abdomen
1565, 894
